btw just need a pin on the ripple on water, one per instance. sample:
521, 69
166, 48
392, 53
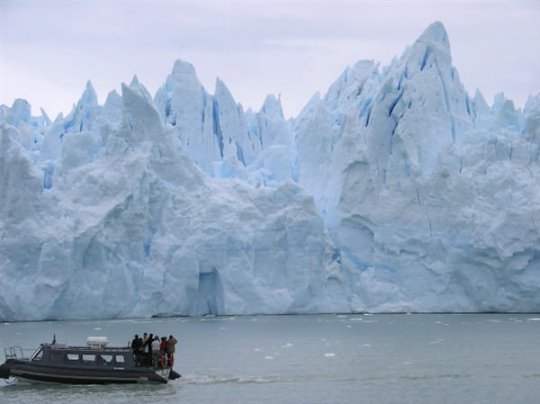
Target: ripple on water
228, 379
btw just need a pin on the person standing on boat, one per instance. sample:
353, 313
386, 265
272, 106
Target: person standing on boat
155, 352
144, 360
162, 352
136, 346
171, 348
140, 351
148, 350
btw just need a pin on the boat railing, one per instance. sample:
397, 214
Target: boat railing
14, 352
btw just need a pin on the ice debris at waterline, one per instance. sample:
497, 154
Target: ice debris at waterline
396, 191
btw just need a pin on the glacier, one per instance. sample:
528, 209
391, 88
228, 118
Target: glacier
396, 191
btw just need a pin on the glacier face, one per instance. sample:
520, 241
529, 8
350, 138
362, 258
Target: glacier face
126, 225
396, 191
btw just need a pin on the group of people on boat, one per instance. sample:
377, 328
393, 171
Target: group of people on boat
150, 350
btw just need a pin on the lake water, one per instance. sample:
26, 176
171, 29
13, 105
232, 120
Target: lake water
421, 358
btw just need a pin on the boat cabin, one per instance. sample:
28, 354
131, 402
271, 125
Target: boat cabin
95, 354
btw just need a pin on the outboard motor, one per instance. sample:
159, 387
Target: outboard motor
173, 375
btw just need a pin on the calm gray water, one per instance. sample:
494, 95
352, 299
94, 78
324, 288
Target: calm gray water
427, 358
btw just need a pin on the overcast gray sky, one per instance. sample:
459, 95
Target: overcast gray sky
50, 49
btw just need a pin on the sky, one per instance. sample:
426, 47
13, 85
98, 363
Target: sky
292, 49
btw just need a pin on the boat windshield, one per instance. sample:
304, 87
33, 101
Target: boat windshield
37, 355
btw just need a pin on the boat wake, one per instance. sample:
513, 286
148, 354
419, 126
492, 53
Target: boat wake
220, 379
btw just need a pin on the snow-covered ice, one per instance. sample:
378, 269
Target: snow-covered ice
395, 191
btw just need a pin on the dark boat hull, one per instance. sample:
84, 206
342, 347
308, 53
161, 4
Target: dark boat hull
27, 370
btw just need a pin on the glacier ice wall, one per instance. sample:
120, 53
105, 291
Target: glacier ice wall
396, 191
127, 225
434, 201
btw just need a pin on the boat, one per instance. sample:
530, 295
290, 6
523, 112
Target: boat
94, 363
